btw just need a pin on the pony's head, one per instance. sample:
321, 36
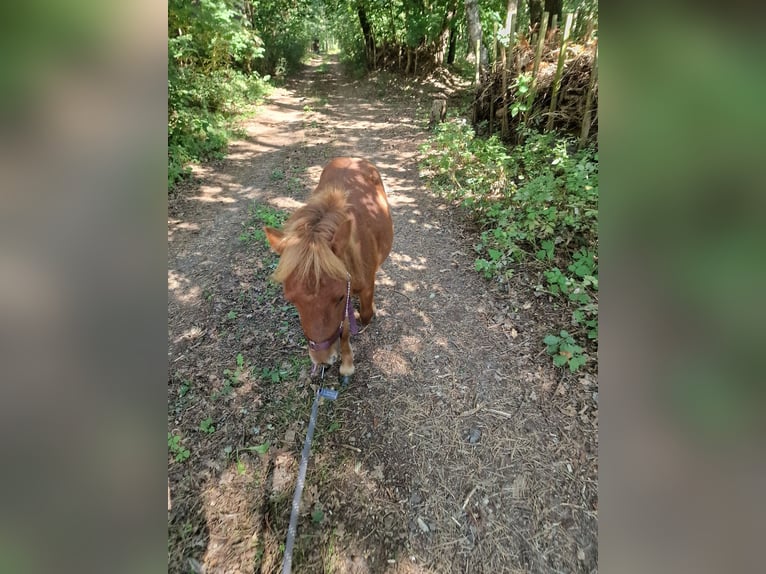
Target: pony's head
312, 271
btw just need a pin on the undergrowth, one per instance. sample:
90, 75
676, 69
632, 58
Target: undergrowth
537, 206
202, 108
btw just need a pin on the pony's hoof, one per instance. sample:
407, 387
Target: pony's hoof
345, 380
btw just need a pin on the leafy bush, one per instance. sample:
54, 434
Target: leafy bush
536, 204
213, 52
201, 107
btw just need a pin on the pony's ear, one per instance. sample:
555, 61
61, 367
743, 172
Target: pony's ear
341, 237
275, 237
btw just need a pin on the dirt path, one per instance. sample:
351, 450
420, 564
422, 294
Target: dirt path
457, 447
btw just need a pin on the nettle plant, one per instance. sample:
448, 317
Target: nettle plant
537, 205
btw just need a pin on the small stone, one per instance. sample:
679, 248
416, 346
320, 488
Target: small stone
423, 526
474, 435
581, 554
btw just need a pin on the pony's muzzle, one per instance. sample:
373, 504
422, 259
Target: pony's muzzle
326, 356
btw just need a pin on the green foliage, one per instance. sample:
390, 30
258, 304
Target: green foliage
260, 216
179, 452
207, 426
396, 27
221, 56
565, 351
231, 378
521, 85
184, 388
536, 205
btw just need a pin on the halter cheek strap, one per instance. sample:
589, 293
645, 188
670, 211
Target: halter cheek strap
348, 313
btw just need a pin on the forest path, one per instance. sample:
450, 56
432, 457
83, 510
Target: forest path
456, 448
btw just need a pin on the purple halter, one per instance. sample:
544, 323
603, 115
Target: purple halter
348, 313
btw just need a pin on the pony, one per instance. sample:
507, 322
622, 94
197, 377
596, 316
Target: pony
329, 250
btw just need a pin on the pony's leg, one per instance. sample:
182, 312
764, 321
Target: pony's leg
346, 355
366, 305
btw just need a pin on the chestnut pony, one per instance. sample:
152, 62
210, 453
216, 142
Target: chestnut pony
330, 250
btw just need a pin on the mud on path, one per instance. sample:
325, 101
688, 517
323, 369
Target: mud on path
456, 448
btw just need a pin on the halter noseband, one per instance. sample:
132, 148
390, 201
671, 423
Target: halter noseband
347, 314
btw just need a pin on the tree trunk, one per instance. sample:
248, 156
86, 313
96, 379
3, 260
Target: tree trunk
511, 11
442, 41
452, 45
554, 8
536, 8
369, 41
535, 13
474, 30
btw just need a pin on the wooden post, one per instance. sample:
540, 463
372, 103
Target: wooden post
559, 71
539, 52
554, 23
512, 32
536, 66
494, 45
506, 65
478, 61
589, 99
589, 30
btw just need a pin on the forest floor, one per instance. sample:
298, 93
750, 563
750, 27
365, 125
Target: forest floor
457, 447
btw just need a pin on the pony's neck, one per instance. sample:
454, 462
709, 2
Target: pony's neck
352, 256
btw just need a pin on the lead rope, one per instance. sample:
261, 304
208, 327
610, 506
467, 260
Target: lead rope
292, 530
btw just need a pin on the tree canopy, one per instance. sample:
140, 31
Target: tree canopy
222, 52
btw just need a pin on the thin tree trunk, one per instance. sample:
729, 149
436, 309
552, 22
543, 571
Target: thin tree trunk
442, 41
452, 45
559, 71
369, 40
474, 30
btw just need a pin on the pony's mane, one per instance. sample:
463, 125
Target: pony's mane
308, 236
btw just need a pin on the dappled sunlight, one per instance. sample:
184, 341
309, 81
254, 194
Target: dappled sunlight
399, 200
411, 344
406, 262
395, 481
314, 172
184, 225
190, 334
286, 203
212, 195
182, 288
391, 363
233, 520
175, 225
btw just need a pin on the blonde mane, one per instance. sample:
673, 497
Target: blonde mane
308, 236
